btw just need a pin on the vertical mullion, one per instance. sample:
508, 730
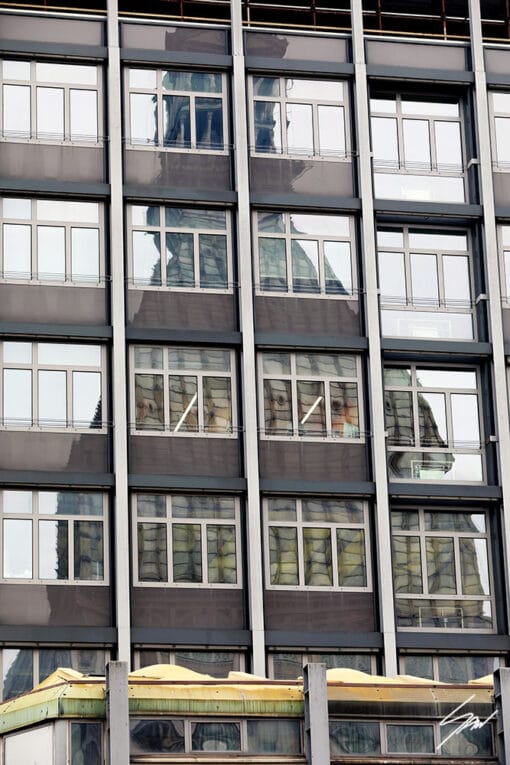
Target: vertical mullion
300, 528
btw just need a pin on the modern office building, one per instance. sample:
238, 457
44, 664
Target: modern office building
254, 319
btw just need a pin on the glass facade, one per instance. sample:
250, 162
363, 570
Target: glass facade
270, 296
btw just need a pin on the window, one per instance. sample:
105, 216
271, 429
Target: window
370, 737
504, 241
305, 254
190, 393
23, 668
449, 668
417, 148
48, 240
181, 248
310, 395
53, 386
277, 736
184, 111
500, 107
289, 665
296, 117
53, 536
316, 543
215, 663
425, 283
433, 424
188, 540
50, 102
441, 570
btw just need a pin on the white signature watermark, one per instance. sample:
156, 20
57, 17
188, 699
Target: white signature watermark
465, 721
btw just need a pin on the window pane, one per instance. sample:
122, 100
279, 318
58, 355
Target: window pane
337, 268
432, 419
440, 565
70, 503
16, 70
146, 736
437, 240
146, 258
221, 554
331, 131
51, 253
52, 396
17, 501
143, 78
442, 378
85, 254
301, 223
283, 555
344, 409
299, 129
179, 217
213, 261
69, 212
86, 743
392, 277
17, 549
420, 666
16, 108
17, 262
281, 509
274, 223
438, 108
276, 363
151, 505
305, 265
272, 264
217, 405
18, 671
357, 738
68, 73
474, 567
18, 352
399, 417
317, 557
145, 215
216, 737
205, 359
183, 403
416, 144
187, 552
466, 430
424, 279
209, 123
22, 208
266, 86
327, 364
322, 510
274, 736
311, 408
407, 564
502, 126
88, 550
351, 558
152, 552
149, 399
457, 290
17, 397
176, 122
87, 399
410, 738
70, 354
268, 135
53, 550
83, 104
384, 142
198, 506
180, 260
475, 742
150, 357
50, 113
144, 124
462, 669
325, 90
448, 146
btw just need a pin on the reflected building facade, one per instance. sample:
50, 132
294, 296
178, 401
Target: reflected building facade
254, 330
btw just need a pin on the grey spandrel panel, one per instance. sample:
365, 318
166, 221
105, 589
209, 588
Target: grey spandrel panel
497, 61
55, 163
319, 611
187, 608
307, 316
416, 55
185, 456
181, 310
295, 460
66, 31
28, 450
501, 184
178, 170
55, 605
53, 304
296, 47
301, 176
167, 38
